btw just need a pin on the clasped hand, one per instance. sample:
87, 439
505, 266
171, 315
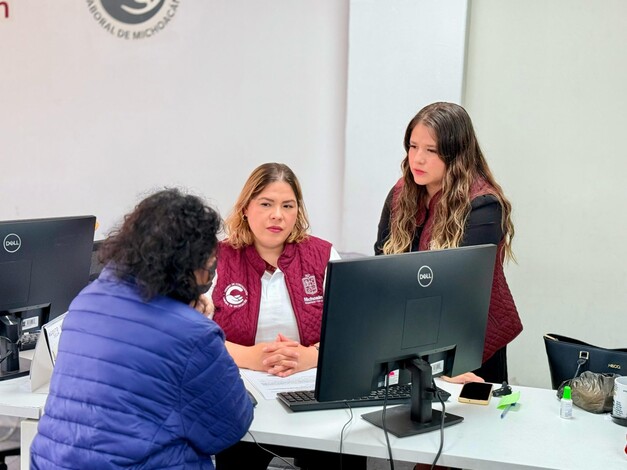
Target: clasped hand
284, 357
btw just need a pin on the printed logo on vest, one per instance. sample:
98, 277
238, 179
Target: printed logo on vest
311, 288
235, 295
313, 300
309, 283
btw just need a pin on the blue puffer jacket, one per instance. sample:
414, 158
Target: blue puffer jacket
139, 385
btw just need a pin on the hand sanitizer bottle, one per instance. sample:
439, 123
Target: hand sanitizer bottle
566, 404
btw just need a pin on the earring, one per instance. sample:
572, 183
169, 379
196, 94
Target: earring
244, 217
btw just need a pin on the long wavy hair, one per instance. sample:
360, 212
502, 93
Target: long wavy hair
162, 243
459, 149
238, 231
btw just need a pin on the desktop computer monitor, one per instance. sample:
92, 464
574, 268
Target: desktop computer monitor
425, 312
44, 263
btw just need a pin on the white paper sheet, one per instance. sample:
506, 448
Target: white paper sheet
269, 385
45, 355
52, 330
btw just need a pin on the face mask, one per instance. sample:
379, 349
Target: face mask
203, 288
211, 270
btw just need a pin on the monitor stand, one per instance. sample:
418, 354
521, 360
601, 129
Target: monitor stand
417, 418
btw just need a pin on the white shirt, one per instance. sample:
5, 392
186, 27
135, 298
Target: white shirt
276, 314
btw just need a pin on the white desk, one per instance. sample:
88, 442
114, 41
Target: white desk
16, 400
534, 437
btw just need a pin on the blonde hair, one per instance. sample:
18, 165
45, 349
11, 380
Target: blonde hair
238, 231
459, 149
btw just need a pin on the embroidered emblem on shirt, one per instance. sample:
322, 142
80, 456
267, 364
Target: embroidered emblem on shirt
309, 283
235, 295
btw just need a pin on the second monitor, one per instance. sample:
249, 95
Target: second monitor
425, 312
44, 263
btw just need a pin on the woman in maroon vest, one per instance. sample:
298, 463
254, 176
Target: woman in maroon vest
446, 198
267, 296
267, 293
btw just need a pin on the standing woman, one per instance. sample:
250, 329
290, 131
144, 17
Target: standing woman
447, 198
142, 379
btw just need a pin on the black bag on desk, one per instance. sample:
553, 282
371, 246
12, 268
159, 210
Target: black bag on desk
570, 357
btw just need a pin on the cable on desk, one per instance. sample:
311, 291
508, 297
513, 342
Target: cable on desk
9, 353
270, 452
385, 406
6, 356
437, 392
342, 432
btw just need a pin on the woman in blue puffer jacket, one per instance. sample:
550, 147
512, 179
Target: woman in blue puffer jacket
142, 379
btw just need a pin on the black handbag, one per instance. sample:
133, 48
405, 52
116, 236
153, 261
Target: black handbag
570, 357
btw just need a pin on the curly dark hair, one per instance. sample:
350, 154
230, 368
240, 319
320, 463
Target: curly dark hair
162, 242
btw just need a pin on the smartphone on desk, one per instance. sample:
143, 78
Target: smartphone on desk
478, 393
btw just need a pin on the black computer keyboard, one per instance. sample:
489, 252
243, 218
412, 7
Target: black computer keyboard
305, 401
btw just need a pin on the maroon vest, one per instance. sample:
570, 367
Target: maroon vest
237, 293
503, 321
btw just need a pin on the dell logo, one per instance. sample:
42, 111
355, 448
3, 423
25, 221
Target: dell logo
425, 276
12, 243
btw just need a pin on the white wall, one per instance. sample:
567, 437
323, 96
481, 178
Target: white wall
403, 55
546, 88
90, 122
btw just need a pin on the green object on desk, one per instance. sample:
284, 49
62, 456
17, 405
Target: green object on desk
507, 408
508, 402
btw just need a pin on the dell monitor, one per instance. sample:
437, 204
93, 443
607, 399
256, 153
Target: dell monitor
44, 263
425, 312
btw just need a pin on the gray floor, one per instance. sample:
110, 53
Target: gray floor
13, 463
380, 464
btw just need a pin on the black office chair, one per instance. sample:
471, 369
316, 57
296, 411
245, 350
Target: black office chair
15, 451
